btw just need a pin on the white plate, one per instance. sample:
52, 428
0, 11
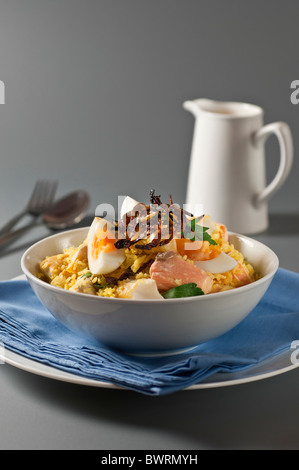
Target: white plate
275, 365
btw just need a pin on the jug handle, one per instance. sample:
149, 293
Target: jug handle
284, 136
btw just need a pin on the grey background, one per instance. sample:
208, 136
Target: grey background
94, 93
94, 89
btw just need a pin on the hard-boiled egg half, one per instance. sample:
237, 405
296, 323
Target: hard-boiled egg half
103, 257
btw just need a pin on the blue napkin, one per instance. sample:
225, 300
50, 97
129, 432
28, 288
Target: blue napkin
27, 328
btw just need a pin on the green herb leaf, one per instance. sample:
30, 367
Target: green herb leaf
198, 232
185, 290
207, 237
87, 275
100, 286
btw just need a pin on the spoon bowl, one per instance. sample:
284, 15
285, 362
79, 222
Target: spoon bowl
67, 211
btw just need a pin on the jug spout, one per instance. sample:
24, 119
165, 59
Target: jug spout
192, 106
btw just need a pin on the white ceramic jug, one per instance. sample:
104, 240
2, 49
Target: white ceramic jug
227, 173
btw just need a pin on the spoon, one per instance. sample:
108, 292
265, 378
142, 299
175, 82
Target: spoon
66, 212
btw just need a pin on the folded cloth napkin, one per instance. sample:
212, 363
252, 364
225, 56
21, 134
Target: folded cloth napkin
27, 328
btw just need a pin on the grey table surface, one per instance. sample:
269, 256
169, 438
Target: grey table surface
43, 413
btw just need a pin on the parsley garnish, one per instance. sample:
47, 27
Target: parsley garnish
185, 290
196, 231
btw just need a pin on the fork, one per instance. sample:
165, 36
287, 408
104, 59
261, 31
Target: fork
40, 200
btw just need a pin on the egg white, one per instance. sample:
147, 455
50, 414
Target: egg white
208, 222
140, 289
127, 205
221, 264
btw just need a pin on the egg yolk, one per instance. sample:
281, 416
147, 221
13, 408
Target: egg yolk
103, 243
202, 249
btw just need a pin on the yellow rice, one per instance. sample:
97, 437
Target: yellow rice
65, 271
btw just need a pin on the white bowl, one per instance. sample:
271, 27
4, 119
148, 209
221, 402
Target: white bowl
149, 326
